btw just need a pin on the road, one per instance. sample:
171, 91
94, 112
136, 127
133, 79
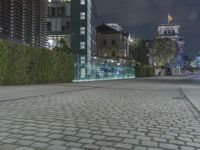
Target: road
140, 114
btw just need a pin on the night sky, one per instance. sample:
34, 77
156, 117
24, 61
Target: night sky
142, 17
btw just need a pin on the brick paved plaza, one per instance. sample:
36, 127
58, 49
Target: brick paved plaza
143, 114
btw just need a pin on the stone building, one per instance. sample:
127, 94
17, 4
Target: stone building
172, 31
24, 21
112, 41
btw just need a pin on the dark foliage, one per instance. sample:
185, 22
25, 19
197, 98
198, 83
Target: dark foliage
21, 64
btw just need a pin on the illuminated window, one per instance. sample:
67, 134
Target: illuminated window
82, 15
82, 59
82, 2
82, 45
82, 30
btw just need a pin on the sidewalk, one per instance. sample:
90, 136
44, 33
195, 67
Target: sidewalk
193, 94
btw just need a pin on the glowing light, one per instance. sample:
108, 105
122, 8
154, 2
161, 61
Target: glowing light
170, 18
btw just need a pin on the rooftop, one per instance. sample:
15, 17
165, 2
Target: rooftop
111, 28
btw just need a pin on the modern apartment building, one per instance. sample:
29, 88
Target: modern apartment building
83, 23
24, 21
74, 21
112, 41
59, 22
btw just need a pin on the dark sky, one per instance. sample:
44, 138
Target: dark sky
142, 17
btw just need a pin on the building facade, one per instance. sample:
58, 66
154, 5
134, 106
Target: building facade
172, 31
59, 22
24, 21
83, 22
83, 43
74, 21
112, 41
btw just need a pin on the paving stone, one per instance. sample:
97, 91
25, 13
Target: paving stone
85, 135
91, 146
76, 148
71, 138
69, 133
149, 144
178, 142
107, 148
25, 142
145, 138
56, 147
9, 141
98, 137
160, 140
3, 134
55, 136
169, 146
131, 141
73, 144
124, 146
57, 142
187, 148
42, 139
104, 143
155, 149
137, 133
113, 139
28, 137
24, 148
8, 147
185, 139
39, 145
125, 135
139, 148
88, 141
194, 144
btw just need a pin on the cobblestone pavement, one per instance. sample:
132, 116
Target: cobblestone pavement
121, 115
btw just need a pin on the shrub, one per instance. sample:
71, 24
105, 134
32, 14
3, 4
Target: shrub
21, 64
144, 71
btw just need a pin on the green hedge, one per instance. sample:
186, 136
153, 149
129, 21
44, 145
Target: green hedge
21, 64
144, 72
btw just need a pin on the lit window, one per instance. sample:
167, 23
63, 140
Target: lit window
82, 2
82, 30
82, 59
82, 45
82, 15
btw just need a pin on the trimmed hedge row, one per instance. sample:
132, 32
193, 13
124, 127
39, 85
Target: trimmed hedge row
21, 64
144, 72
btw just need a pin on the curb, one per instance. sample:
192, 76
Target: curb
193, 103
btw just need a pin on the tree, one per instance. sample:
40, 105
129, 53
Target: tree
63, 47
139, 52
165, 49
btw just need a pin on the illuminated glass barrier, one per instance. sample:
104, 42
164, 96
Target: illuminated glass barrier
104, 69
